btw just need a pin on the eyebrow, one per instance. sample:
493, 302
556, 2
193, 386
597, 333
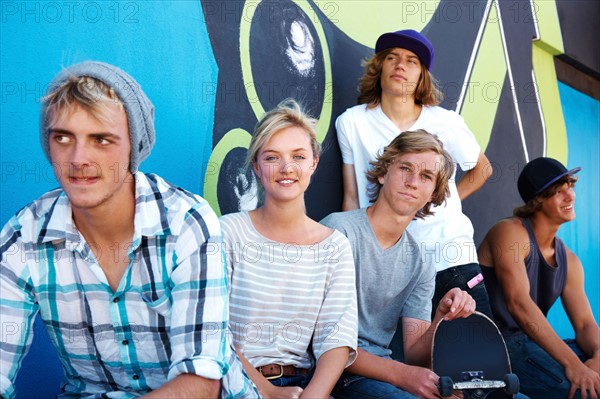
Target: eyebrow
421, 170
110, 135
294, 150
397, 54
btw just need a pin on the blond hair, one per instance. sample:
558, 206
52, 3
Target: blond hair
417, 141
286, 114
92, 95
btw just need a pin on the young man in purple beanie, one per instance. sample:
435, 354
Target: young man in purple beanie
125, 269
527, 267
398, 93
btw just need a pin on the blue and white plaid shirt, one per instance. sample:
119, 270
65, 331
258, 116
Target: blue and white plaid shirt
167, 317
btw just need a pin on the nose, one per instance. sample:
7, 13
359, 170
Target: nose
80, 156
570, 193
288, 166
399, 64
411, 180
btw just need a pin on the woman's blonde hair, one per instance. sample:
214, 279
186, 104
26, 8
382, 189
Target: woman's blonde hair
286, 114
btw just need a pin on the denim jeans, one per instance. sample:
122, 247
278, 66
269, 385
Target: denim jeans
356, 387
292, 381
459, 276
540, 375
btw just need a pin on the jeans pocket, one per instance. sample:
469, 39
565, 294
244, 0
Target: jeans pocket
544, 370
350, 379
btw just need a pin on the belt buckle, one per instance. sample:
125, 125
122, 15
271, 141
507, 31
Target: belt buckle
273, 377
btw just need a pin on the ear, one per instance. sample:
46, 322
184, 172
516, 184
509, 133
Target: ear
431, 197
256, 169
381, 179
315, 162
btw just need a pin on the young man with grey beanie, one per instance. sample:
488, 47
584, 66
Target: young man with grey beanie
528, 268
125, 269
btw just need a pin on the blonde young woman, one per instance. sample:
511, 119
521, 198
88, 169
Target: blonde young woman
292, 282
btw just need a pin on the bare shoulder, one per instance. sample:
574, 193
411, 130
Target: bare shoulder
508, 236
572, 259
507, 230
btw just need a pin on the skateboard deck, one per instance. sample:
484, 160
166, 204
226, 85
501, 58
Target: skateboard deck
469, 354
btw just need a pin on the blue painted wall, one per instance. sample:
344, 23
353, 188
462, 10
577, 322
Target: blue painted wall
164, 45
582, 118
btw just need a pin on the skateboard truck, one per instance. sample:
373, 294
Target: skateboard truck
475, 380
472, 375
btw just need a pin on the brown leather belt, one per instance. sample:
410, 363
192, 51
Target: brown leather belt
272, 371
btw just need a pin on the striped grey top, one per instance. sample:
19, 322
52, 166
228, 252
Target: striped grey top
289, 303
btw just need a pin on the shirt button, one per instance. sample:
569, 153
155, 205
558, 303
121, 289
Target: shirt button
125, 342
115, 300
136, 377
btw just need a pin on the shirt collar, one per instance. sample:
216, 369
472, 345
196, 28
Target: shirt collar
150, 216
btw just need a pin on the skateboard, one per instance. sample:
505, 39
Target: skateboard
469, 354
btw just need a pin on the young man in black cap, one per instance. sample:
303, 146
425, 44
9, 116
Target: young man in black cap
527, 267
397, 94
125, 269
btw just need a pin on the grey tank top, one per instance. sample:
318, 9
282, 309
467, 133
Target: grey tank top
546, 283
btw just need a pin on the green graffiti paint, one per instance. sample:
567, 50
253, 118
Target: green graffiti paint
363, 22
235, 138
481, 99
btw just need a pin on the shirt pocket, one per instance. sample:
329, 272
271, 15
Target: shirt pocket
160, 306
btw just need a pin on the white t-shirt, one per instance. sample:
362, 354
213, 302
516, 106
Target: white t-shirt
289, 303
447, 235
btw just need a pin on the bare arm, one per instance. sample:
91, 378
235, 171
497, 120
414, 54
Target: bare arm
508, 247
187, 386
419, 381
418, 334
329, 368
265, 388
474, 178
577, 306
350, 200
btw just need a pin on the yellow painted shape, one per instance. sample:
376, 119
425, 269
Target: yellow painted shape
547, 86
233, 139
364, 21
546, 16
485, 84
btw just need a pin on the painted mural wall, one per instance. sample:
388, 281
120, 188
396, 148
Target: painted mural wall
213, 67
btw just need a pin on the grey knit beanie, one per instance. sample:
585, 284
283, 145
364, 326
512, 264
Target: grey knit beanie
139, 109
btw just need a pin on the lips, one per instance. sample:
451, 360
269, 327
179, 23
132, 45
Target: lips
83, 179
407, 195
286, 181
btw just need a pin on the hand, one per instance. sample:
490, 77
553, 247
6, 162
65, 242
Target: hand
281, 392
456, 303
420, 382
594, 364
584, 379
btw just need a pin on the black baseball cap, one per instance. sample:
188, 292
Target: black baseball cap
540, 174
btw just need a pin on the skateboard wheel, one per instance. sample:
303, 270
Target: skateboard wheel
446, 386
512, 384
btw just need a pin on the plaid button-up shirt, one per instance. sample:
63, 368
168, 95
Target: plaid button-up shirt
168, 315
